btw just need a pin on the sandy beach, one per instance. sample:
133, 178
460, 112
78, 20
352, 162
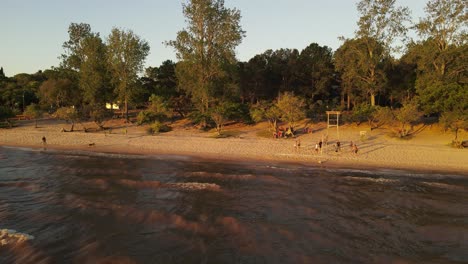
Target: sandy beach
428, 150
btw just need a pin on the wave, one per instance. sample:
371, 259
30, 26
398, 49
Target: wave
12, 237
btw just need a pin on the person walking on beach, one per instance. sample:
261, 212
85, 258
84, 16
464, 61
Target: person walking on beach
355, 149
44, 142
316, 147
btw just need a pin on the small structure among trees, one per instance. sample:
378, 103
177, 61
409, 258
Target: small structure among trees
334, 121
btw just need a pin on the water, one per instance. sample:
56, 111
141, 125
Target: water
96, 208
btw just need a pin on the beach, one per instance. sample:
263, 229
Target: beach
428, 150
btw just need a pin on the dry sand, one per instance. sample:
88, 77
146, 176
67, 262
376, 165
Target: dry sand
428, 150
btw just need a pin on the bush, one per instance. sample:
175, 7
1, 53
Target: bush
158, 127
145, 117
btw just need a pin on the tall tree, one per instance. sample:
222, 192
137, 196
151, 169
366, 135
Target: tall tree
316, 71
205, 49
379, 24
127, 53
94, 78
74, 55
360, 72
2, 74
442, 57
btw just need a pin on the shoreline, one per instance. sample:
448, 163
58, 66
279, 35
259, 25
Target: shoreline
426, 153
326, 165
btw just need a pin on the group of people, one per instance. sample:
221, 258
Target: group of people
281, 132
337, 146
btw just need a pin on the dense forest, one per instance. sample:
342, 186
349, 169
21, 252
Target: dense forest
363, 77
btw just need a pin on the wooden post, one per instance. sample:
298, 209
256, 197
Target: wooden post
336, 122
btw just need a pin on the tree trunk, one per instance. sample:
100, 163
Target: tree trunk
372, 99
73, 125
126, 110
342, 102
348, 106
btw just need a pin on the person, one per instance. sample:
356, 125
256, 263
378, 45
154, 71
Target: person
44, 141
316, 147
338, 146
297, 144
320, 144
355, 149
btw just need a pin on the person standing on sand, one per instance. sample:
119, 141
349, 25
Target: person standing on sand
316, 147
44, 142
355, 149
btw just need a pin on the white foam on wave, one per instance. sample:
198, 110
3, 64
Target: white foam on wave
10, 236
194, 186
378, 180
444, 186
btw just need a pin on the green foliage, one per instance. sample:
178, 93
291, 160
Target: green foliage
69, 114
6, 113
381, 116
441, 57
126, 56
455, 121
158, 127
382, 21
362, 113
145, 117
33, 111
94, 79
203, 119
56, 93
407, 115
360, 60
159, 106
224, 111
257, 113
291, 108
273, 114
157, 111
100, 115
315, 72
445, 22
206, 48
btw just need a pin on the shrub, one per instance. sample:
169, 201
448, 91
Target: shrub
158, 127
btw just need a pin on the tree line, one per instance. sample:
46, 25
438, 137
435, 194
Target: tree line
209, 85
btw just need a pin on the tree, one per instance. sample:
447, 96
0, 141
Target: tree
445, 24
441, 57
94, 79
2, 74
6, 113
33, 111
127, 53
380, 23
74, 55
84, 63
406, 115
68, 114
291, 107
362, 73
455, 121
315, 71
57, 93
205, 49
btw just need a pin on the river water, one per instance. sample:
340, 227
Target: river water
93, 208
